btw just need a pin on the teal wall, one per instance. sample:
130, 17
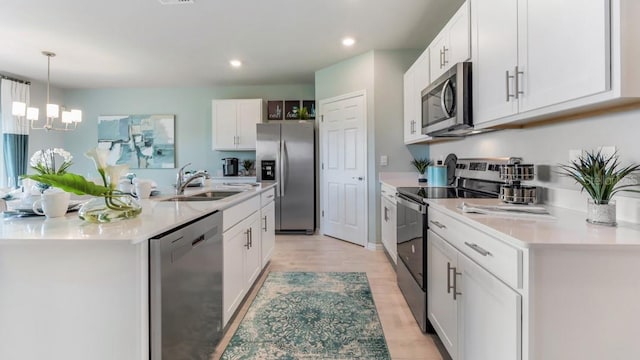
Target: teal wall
192, 110
380, 74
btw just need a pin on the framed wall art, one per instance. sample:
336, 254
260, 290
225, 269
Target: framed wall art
311, 108
275, 110
291, 108
140, 141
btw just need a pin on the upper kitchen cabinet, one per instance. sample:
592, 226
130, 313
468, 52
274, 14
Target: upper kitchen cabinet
234, 123
532, 59
452, 45
415, 80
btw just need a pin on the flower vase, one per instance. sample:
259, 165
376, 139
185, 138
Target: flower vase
422, 177
110, 208
601, 214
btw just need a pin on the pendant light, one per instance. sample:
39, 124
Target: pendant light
69, 119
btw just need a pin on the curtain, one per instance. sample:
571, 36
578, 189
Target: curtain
15, 133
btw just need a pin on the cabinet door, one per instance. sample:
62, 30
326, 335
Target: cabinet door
386, 227
494, 29
409, 105
268, 235
393, 237
234, 286
459, 46
249, 114
489, 314
437, 54
223, 124
253, 252
563, 49
442, 308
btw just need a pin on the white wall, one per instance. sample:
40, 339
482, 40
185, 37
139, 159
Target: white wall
549, 145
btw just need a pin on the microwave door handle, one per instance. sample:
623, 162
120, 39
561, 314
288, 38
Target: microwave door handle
442, 97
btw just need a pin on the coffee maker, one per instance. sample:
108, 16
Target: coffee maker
230, 166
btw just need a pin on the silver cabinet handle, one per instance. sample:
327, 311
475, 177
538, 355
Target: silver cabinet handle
441, 59
386, 213
264, 218
449, 268
444, 56
517, 73
478, 249
455, 284
437, 224
508, 77
246, 244
250, 237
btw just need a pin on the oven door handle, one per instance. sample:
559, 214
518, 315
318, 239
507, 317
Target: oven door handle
401, 200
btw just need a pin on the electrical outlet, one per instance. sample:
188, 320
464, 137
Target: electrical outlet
384, 160
574, 154
608, 151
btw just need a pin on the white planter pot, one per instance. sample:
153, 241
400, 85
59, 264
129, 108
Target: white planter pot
601, 214
422, 178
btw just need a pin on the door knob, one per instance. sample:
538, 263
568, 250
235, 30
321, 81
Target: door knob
359, 178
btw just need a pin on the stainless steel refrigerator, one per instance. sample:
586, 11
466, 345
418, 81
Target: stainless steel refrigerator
285, 153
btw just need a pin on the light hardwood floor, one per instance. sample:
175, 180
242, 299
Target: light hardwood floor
321, 253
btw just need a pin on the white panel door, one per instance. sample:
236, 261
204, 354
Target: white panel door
490, 315
494, 29
343, 151
234, 286
223, 113
249, 114
442, 309
253, 252
563, 50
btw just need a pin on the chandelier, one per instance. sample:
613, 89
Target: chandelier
68, 121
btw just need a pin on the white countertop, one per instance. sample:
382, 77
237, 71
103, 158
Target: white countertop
400, 179
157, 217
569, 227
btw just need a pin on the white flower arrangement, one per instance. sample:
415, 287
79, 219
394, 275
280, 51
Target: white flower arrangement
44, 161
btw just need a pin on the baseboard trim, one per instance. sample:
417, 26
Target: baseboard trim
374, 247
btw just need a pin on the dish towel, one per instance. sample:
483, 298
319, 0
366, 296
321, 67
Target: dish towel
508, 210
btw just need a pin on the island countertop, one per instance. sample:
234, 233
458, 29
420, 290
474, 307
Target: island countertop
157, 217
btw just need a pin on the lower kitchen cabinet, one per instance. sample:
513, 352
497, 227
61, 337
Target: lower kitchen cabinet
242, 262
388, 225
268, 234
442, 258
490, 315
475, 314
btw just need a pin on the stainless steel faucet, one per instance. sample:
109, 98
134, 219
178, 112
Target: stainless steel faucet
181, 183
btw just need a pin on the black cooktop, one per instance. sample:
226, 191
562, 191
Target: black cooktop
421, 193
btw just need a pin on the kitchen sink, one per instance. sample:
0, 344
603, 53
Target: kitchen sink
205, 196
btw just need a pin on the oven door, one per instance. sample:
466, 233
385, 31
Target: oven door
411, 230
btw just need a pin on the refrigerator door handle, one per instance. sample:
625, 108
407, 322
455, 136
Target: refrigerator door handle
279, 170
283, 161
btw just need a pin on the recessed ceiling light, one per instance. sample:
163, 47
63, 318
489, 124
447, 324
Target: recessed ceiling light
235, 63
348, 41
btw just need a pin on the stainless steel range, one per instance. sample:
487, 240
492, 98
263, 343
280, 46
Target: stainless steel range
475, 178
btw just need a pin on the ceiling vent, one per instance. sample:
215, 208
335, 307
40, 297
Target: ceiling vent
176, 2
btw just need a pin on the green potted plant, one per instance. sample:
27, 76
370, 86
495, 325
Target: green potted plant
600, 176
247, 164
303, 113
421, 165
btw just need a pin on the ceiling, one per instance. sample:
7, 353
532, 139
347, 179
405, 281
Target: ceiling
142, 43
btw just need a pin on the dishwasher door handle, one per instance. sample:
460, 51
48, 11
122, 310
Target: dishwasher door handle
197, 241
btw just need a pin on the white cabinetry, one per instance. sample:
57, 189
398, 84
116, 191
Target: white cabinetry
234, 123
476, 315
388, 216
268, 235
242, 254
534, 58
452, 44
415, 80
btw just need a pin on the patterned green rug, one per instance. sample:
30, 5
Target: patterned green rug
306, 315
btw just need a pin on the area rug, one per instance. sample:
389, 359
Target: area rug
307, 315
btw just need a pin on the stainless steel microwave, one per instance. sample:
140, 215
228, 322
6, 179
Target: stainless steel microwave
446, 103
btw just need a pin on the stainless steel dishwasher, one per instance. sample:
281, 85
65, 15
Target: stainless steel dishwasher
185, 290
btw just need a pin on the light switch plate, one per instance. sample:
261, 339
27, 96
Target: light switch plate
608, 151
574, 154
384, 160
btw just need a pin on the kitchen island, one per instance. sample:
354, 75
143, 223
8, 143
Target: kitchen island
74, 290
